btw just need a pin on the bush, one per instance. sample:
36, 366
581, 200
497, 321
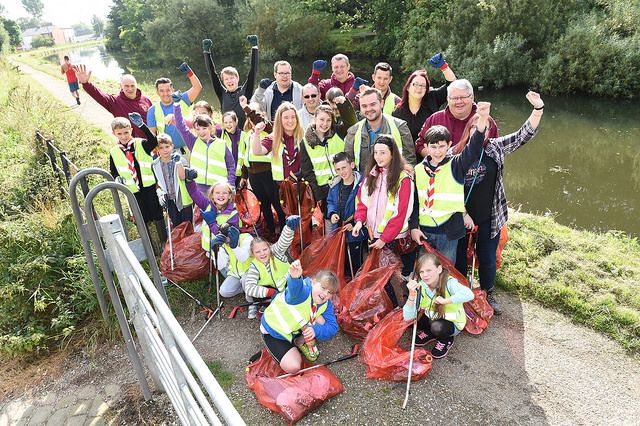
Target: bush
40, 41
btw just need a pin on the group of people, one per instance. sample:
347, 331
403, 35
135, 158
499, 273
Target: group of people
390, 170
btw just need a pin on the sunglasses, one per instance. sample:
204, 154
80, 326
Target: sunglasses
310, 96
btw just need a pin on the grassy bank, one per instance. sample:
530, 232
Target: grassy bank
592, 278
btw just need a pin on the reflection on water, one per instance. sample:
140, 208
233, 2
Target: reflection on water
584, 165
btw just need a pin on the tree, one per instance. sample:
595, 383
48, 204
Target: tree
98, 25
13, 30
40, 41
33, 7
4, 40
82, 28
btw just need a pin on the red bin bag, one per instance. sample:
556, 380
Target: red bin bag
189, 260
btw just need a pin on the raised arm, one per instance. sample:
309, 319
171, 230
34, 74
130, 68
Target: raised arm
196, 86
438, 61
188, 137
107, 101
211, 68
250, 83
256, 145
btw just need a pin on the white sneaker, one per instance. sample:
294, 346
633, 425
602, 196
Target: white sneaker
253, 312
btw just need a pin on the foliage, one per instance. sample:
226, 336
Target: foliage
41, 41
5, 40
82, 28
33, 7
13, 30
348, 13
98, 25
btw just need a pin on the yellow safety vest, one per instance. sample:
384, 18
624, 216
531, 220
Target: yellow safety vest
253, 158
159, 114
206, 232
448, 197
393, 204
357, 138
209, 161
286, 319
234, 267
322, 158
144, 161
278, 276
453, 312
242, 149
390, 103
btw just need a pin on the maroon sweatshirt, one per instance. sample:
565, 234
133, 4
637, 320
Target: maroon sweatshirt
326, 84
121, 106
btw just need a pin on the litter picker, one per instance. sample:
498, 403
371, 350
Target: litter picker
206, 308
413, 347
169, 234
233, 312
352, 354
217, 311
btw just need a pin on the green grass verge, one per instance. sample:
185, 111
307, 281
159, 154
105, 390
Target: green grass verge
224, 377
592, 278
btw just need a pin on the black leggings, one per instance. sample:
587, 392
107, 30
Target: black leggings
439, 328
268, 194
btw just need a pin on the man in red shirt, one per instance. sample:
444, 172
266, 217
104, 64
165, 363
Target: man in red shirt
72, 79
130, 98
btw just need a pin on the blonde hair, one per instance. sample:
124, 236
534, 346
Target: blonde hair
230, 71
164, 138
442, 279
329, 279
278, 129
120, 123
205, 105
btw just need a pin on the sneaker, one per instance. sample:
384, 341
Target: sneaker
494, 303
424, 338
78, 101
441, 349
304, 349
253, 312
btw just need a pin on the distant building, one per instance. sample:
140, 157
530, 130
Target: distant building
57, 34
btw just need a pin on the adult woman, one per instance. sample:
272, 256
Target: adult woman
486, 201
419, 99
385, 200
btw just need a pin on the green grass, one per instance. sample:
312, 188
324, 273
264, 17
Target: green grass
592, 278
224, 377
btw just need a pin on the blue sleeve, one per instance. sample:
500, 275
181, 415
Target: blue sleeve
409, 311
296, 292
459, 293
185, 98
332, 201
151, 116
469, 155
330, 327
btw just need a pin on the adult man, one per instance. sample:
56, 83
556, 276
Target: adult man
311, 100
341, 77
382, 77
283, 89
72, 79
460, 108
160, 115
130, 99
361, 136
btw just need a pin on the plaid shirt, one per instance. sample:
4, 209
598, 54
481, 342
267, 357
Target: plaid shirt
497, 149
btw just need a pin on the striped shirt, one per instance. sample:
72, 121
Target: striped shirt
278, 250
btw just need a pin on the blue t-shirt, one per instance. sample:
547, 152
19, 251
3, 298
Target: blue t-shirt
169, 129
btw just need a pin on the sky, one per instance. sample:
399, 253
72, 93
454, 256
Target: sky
62, 13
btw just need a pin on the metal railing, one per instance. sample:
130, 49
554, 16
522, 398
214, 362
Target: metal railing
61, 165
168, 351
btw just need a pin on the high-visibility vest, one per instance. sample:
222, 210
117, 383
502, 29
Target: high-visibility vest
277, 278
390, 103
277, 167
357, 138
392, 206
209, 161
242, 149
286, 319
234, 266
322, 158
448, 197
206, 232
253, 158
453, 312
144, 161
178, 184
159, 114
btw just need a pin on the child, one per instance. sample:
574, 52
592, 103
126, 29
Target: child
441, 297
169, 171
233, 260
437, 214
302, 312
341, 205
130, 163
227, 90
217, 208
269, 265
236, 140
207, 152
385, 202
321, 143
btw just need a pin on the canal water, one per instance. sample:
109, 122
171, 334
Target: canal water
583, 167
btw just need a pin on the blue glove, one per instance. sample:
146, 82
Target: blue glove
136, 119
234, 237
253, 40
185, 68
293, 221
190, 174
437, 60
318, 66
265, 82
176, 96
219, 240
175, 157
209, 216
359, 82
206, 45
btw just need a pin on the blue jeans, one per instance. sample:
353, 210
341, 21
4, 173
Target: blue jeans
486, 251
443, 244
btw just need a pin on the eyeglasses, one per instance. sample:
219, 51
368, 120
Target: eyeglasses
283, 73
418, 85
315, 95
460, 98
